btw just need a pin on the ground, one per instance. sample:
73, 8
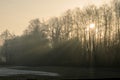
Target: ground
60, 72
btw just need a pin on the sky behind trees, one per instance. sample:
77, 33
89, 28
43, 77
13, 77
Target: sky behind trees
16, 14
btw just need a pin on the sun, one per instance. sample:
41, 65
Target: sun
92, 26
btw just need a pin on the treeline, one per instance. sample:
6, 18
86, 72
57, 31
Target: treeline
79, 37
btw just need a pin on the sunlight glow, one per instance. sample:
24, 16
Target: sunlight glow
92, 26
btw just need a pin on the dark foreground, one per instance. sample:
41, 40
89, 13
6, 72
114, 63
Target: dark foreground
53, 73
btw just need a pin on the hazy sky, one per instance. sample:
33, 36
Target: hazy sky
16, 14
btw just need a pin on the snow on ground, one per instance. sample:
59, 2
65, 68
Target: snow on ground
10, 72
